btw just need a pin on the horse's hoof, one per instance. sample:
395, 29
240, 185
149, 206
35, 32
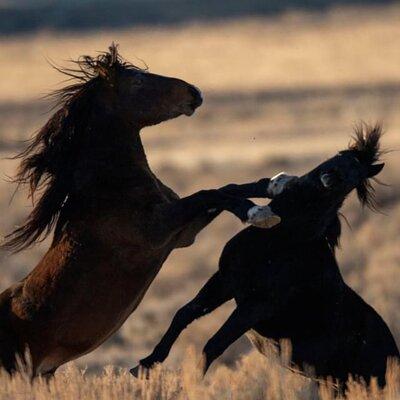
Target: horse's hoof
140, 372
279, 182
262, 217
135, 371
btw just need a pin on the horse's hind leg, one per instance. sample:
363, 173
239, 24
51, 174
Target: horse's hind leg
49, 375
8, 338
8, 351
213, 294
242, 319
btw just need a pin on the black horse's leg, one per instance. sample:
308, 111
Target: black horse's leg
213, 294
243, 318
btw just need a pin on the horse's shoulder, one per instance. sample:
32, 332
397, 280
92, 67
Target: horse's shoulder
167, 191
245, 247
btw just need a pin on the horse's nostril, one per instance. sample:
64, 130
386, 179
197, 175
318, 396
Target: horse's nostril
197, 97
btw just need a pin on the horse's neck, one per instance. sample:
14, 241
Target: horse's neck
139, 158
111, 159
140, 162
124, 148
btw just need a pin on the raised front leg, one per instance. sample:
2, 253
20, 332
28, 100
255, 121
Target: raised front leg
213, 294
171, 219
264, 188
189, 215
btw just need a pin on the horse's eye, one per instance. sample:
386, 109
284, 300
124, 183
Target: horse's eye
330, 178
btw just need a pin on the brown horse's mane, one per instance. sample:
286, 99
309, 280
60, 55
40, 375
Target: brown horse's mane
47, 163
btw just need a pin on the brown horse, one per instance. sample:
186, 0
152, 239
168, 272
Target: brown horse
114, 222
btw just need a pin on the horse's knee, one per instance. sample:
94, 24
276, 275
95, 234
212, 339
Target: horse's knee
189, 312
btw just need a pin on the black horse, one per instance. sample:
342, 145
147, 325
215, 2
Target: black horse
286, 281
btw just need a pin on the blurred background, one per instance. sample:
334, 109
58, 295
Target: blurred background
284, 83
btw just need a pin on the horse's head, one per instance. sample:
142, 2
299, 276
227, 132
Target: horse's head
135, 95
106, 103
144, 98
148, 99
310, 205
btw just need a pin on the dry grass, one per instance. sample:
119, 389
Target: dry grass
280, 94
256, 378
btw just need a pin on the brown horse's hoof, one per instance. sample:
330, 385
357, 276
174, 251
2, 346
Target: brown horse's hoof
262, 217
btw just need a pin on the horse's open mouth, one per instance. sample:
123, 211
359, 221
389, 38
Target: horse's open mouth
188, 110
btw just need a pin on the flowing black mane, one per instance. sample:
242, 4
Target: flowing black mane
366, 145
47, 163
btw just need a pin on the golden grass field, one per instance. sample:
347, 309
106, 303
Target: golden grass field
281, 93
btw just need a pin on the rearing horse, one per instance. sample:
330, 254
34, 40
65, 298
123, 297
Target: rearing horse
114, 222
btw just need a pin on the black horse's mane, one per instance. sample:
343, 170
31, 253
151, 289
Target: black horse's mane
47, 163
366, 147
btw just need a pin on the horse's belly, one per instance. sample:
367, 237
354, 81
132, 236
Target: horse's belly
69, 341
79, 321
97, 323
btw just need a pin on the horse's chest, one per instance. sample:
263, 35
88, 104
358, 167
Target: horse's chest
278, 279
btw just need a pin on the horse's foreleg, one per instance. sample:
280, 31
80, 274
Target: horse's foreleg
247, 190
173, 218
213, 294
259, 189
264, 188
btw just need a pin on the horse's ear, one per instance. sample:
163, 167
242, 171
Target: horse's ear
375, 169
106, 68
102, 71
106, 73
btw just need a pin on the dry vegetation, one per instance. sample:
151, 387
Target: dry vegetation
281, 94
